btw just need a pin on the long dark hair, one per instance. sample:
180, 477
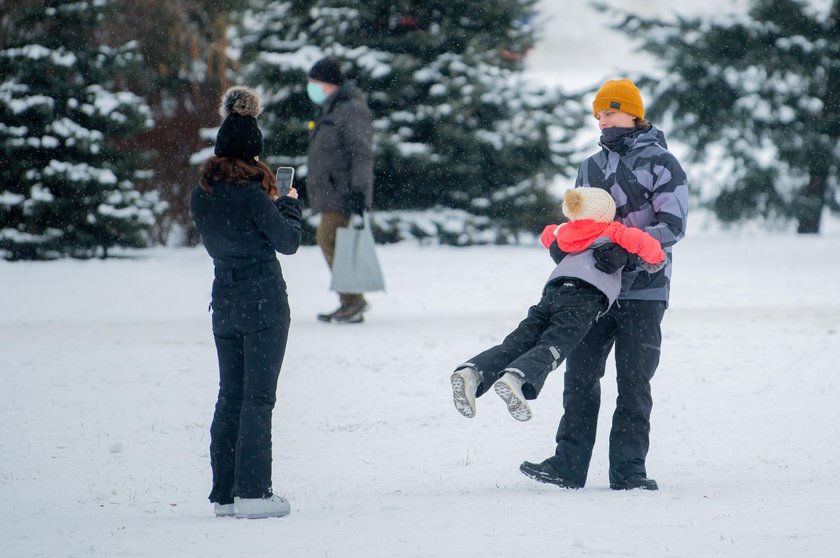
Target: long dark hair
236, 171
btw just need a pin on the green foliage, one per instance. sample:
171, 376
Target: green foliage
764, 89
455, 124
65, 189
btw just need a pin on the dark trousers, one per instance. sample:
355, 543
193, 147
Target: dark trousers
634, 327
250, 326
554, 326
325, 236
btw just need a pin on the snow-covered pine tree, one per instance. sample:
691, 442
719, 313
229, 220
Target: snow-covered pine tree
457, 128
65, 189
760, 93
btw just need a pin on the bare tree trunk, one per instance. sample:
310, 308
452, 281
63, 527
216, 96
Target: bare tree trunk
809, 205
811, 201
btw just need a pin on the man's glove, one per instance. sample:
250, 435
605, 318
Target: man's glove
610, 257
354, 203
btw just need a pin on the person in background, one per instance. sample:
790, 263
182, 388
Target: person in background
243, 223
574, 296
340, 162
651, 193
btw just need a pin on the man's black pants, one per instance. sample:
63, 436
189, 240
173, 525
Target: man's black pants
634, 327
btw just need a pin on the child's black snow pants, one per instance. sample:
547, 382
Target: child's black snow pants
553, 327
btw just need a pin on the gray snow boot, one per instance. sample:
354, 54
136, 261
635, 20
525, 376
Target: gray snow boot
464, 384
509, 388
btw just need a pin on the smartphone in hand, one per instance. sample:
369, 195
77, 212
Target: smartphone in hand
285, 179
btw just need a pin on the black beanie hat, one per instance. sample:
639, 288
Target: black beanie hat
327, 70
239, 136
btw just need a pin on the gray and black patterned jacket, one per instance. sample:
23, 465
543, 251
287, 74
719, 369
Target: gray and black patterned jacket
650, 190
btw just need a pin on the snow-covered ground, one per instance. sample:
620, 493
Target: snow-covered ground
108, 380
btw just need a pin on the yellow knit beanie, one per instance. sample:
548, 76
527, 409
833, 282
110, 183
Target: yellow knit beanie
619, 94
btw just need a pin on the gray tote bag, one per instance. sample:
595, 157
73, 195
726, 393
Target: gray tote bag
355, 265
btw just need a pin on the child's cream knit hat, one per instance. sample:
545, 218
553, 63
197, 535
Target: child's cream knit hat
589, 203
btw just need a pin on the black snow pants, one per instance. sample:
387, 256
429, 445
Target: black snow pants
250, 327
538, 345
634, 327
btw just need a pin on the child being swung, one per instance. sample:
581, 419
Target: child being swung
574, 296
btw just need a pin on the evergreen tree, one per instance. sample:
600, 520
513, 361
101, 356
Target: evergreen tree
455, 124
65, 188
761, 91
185, 68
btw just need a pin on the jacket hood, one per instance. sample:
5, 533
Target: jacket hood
651, 136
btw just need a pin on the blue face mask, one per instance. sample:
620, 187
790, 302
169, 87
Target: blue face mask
316, 93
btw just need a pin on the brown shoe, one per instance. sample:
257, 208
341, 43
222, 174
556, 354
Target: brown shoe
347, 313
329, 316
352, 313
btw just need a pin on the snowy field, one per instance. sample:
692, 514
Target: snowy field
109, 379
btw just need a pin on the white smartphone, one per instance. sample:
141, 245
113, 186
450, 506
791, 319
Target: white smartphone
285, 179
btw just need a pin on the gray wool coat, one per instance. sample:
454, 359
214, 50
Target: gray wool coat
340, 158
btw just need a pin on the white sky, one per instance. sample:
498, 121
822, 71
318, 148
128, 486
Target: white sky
579, 50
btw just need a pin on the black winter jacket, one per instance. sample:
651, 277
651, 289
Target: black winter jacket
240, 225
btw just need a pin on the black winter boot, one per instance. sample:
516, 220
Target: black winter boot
545, 472
635, 482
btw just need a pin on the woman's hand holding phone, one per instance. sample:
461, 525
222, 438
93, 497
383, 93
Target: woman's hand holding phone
292, 193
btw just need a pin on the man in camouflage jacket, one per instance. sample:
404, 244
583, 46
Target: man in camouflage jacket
651, 193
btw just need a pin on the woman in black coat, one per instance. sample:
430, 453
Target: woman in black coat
243, 222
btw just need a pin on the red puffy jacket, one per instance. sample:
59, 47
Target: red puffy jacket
576, 236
